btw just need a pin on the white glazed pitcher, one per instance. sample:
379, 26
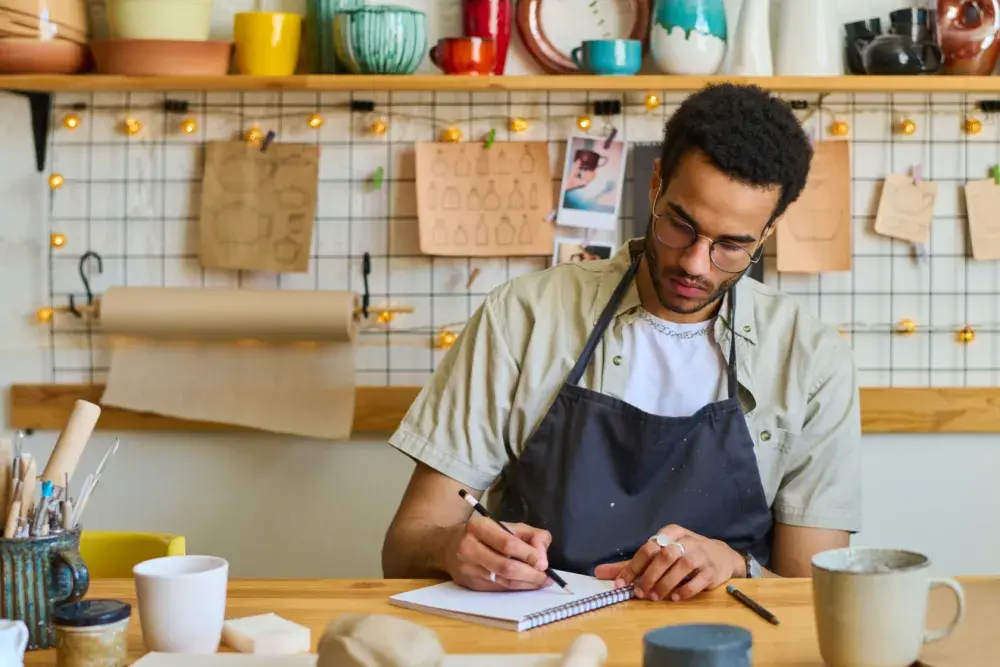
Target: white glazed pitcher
13, 642
809, 39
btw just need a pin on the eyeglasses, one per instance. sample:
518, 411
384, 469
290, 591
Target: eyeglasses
677, 233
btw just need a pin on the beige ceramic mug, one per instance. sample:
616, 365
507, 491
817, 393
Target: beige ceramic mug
871, 606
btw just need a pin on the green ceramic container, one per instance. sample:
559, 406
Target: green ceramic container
381, 39
37, 574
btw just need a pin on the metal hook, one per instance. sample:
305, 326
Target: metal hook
366, 269
90, 254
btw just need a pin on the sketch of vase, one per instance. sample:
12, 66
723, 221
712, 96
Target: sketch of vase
516, 200
432, 196
483, 163
452, 200
461, 239
527, 163
440, 232
462, 167
503, 163
472, 202
505, 232
491, 202
440, 166
533, 196
524, 235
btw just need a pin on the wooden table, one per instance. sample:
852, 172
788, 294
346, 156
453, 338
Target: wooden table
315, 603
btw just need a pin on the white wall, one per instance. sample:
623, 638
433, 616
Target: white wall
282, 507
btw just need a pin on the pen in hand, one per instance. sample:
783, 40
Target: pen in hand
482, 511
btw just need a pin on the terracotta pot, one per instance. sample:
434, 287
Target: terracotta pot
968, 31
21, 55
161, 57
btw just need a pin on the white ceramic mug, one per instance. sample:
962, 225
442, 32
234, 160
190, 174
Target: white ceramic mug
13, 642
182, 602
871, 606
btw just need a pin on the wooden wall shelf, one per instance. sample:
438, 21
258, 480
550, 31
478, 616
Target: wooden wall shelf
380, 409
86, 83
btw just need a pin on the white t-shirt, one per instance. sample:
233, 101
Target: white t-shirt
674, 369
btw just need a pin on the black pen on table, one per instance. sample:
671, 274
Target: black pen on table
749, 603
476, 505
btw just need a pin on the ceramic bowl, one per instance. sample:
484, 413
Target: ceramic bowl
380, 39
161, 57
70, 14
180, 20
21, 55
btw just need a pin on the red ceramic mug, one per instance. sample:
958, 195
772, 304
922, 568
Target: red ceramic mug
473, 56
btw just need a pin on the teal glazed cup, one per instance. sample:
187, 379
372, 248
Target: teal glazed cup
380, 39
39, 573
617, 57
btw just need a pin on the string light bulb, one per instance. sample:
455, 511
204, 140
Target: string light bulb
840, 128
518, 124
254, 136
131, 126
583, 122
44, 314
56, 181
385, 316
966, 335
652, 102
907, 127
189, 126
379, 127
973, 125
71, 121
906, 326
57, 240
446, 339
452, 135
315, 121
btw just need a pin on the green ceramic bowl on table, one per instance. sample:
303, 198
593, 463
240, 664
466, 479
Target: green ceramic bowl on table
381, 39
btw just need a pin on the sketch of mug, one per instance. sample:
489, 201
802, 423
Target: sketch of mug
231, 224
589, 160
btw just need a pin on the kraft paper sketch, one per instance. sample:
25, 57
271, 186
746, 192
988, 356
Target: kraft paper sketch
814, 235
982, 199
484, 202
258, 208
906, 209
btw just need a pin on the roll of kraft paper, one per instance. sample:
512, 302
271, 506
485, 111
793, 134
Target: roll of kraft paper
273, 360
73, 439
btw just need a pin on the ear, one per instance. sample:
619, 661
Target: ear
654, 180
771, 228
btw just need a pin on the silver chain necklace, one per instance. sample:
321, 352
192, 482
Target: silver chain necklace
667, 331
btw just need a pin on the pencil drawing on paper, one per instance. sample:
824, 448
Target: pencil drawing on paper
484, 202
983, 201
258, 208
816, 225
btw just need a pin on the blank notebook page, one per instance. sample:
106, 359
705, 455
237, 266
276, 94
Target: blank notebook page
517, 610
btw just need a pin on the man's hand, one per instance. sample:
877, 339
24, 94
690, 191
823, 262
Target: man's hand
478, 547
660, 573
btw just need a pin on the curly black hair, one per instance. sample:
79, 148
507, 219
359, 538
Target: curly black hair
747, 133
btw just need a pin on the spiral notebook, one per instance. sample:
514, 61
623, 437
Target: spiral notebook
515, 610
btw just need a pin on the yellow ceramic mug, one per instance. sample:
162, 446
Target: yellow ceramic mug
267, 43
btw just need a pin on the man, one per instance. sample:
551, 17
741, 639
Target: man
656, 418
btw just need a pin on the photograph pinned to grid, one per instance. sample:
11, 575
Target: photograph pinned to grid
592, 184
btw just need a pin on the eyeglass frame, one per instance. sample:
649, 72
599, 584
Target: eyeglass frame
757, 251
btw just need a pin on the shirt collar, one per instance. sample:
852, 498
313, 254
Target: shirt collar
745, 324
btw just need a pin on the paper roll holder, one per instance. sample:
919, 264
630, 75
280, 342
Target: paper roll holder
92, 308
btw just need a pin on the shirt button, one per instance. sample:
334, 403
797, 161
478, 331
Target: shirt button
765, 435
617, 361
746, 328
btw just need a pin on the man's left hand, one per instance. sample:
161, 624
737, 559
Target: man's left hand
671, 572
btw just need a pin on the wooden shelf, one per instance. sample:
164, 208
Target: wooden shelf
86, 83
380, 409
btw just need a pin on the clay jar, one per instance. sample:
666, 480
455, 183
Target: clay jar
968, 32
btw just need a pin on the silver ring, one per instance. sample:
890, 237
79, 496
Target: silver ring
664, 542
493, 577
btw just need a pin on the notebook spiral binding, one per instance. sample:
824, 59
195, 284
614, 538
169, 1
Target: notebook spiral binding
579, 607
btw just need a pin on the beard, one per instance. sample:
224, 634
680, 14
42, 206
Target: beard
659, 279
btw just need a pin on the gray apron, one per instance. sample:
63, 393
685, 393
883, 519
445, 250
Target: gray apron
603, 476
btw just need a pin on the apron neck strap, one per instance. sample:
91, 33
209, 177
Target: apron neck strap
733, 385
602, 323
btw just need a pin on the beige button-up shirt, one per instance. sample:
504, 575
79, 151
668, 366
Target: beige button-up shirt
796, 374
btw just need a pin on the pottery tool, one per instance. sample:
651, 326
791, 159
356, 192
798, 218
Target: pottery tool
6, 469
41, 518
91, 483
28, 475
10, 527
467, 497
752, 605
66, 454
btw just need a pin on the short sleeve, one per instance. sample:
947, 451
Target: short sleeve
821, 487
457, 424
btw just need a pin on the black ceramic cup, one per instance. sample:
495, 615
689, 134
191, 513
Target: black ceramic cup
858, 35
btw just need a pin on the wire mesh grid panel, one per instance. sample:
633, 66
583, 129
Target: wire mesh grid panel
133, 198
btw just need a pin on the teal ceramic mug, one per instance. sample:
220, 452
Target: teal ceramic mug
36, 574
609, 56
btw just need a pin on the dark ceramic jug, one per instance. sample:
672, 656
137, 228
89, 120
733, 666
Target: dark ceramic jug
859, 35
908, 48
37, 574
